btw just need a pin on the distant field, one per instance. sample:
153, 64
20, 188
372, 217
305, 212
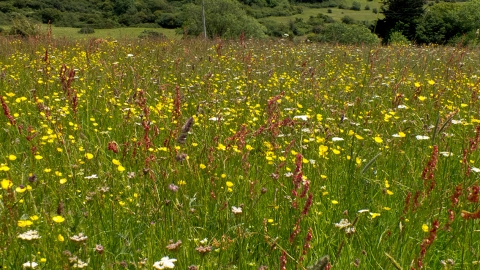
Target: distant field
117, 33
337, 14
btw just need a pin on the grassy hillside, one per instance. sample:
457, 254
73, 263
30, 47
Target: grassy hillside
116, 33
336, 13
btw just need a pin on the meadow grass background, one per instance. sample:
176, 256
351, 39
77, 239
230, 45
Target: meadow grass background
123, 33
250, 153
337, 14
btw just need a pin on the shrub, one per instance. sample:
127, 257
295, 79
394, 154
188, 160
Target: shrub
23, 27
320, 19
345, 34
169, 20
299, 27
329, 11
224, 18
397, 38
356, 6
150, 34
50, 15
375, 10
86, 30
469, 39
348, 20
6, 7
4, 19
367, 7
275, 29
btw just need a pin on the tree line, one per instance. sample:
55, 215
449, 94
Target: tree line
405, 21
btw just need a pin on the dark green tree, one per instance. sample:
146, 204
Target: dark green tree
440, 24
50, 15
450, 23
400, 16
122, 6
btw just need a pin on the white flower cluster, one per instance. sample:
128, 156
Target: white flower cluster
29, 235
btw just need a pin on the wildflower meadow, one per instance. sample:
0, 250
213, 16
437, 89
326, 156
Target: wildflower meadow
246, 154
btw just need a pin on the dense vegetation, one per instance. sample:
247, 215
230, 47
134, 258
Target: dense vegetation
240, 154
403, 21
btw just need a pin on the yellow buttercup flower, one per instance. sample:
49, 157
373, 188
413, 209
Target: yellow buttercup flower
6, 184
21, 189
221, 147
58, 219
24, 223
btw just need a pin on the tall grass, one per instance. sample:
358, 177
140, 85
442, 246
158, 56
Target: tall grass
242, 154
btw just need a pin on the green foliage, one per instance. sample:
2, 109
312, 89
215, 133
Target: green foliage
320, 19
345, 34
50, 15
284, 9
348, 20
356, 6
299, 27
469, 39
275, 29
6, 7
170, 20
262, 3
86, 30
23, 27
224, 18
154, 5
4, 19
397, 38
150, 34
123, 6
400, 15
449, 23
469, 14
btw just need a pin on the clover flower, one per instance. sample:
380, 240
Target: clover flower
174, 246
165, 263
93, 176
79, 238
29, 264
344, 223
29, 235
80, 264
236, 210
